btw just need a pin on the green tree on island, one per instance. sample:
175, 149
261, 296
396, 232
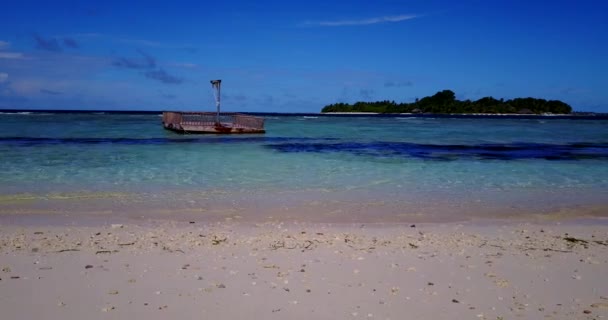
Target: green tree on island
445, 102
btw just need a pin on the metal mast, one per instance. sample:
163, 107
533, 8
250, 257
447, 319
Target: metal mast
216, 84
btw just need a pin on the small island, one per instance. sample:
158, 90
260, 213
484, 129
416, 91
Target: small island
445, 102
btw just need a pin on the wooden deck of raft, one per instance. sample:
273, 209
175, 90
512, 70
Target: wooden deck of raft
206, 122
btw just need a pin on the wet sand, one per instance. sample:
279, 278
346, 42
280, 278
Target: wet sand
274, 270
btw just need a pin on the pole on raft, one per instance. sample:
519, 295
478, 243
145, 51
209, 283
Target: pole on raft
215, 84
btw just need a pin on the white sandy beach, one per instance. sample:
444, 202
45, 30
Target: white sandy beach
273, 270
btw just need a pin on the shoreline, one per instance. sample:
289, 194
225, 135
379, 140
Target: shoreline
104, 218
97, 208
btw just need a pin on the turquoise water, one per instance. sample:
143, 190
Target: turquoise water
412, 168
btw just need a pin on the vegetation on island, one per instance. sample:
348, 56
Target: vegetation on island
445, 102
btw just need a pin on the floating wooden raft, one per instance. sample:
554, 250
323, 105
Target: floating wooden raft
210, 122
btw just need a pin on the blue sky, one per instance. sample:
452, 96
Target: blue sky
285, 56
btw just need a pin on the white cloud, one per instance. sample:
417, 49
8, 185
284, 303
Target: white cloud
3, 77
368, 21
11, 55
4, 44
126, 41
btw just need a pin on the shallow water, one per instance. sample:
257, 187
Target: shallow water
323, 168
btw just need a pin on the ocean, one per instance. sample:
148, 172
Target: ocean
310, 168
